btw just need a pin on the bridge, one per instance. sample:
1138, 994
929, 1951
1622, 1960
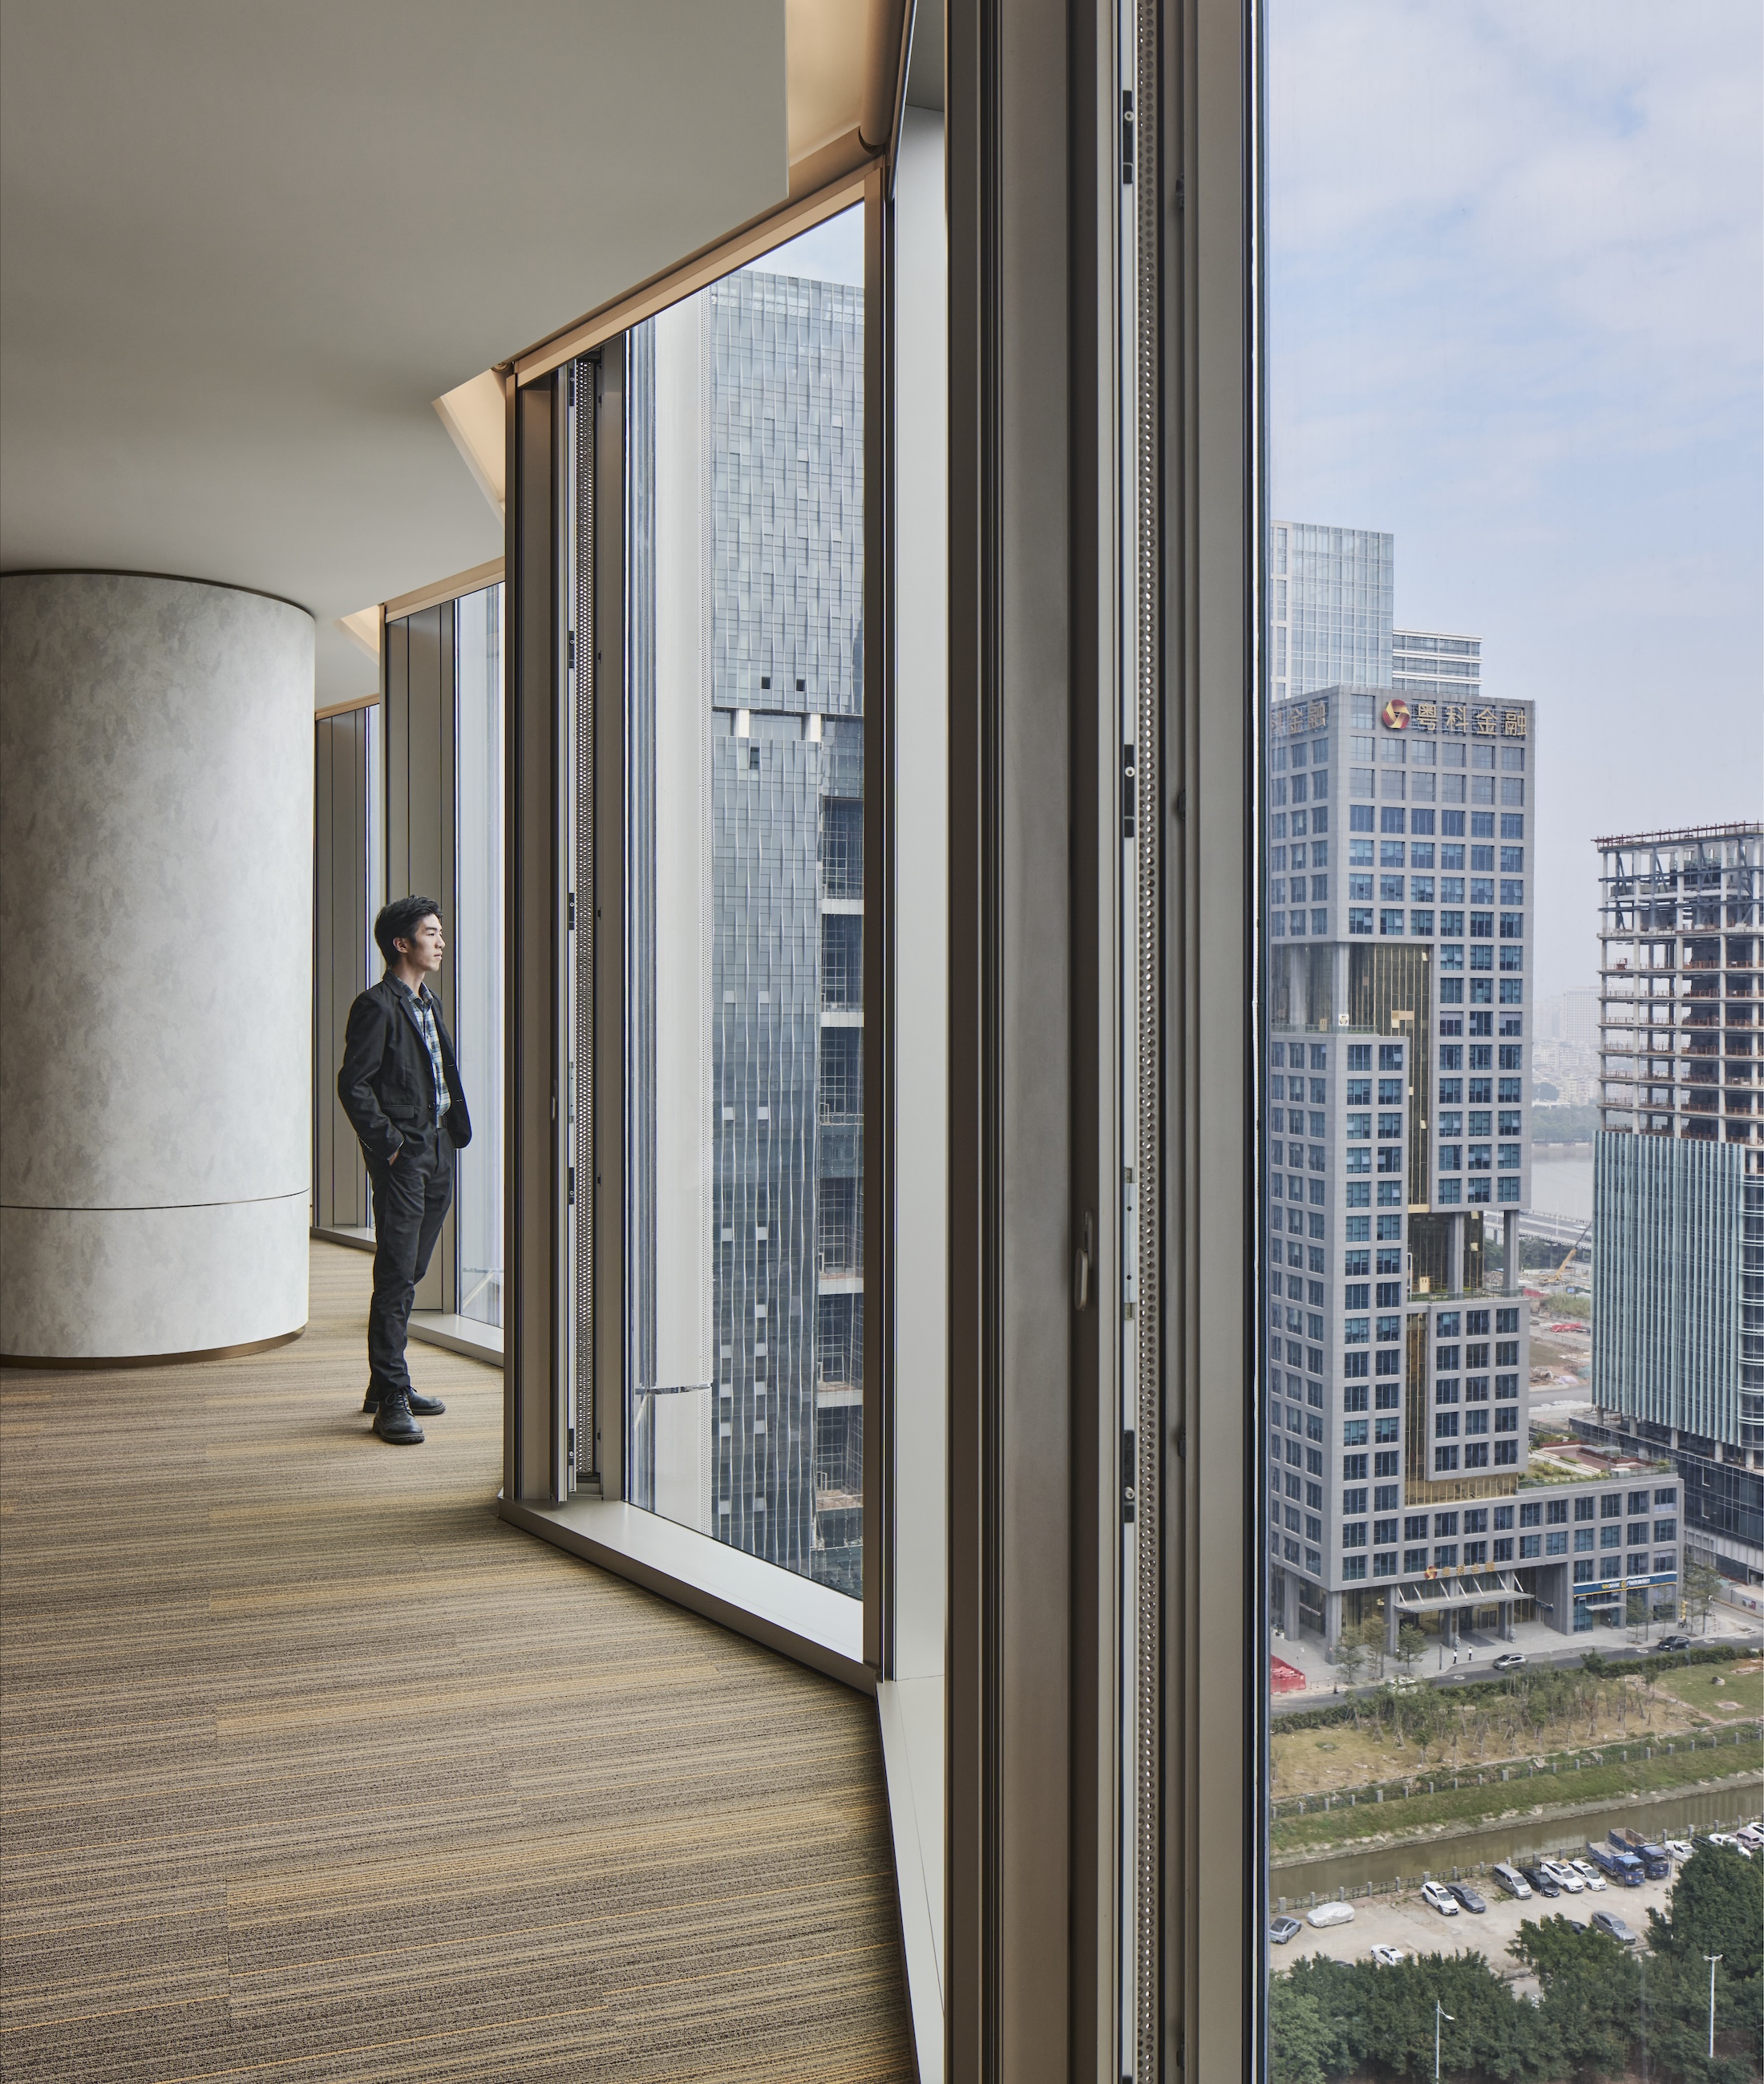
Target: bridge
1563, 1231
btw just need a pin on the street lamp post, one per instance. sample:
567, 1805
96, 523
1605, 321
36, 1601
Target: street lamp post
1439, 2014
1712, 1959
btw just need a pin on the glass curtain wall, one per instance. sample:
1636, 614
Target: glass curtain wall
745, 894
479, 783
1514, 447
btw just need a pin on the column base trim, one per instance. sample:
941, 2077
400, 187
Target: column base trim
98, 1363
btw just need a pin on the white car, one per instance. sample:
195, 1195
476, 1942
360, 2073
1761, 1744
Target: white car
1677, 1847
1387, 1957
1590, 1875
1441, 1898
1563, 1875
1331, 1914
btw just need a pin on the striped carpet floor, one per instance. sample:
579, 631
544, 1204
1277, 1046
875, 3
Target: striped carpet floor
312, 1768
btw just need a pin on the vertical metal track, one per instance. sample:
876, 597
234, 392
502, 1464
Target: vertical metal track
1147, 1848
584, 375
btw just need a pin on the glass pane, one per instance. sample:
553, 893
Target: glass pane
478, 654
746, 907
1514, 452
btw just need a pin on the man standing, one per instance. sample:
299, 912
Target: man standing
400, 1087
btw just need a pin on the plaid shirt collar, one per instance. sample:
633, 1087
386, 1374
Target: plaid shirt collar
422, 1009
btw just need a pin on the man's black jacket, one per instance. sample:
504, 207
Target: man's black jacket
386, 1083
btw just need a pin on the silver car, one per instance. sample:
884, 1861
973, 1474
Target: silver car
1565, 1874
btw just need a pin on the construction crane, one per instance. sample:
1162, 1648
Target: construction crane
1572, 1249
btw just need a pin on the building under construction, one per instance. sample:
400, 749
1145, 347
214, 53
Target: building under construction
1678, 1194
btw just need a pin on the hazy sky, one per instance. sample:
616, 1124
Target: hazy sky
1515, 308
833, 252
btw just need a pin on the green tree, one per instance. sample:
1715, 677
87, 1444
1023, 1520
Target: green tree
1410, 1643
1372, 1637
1677, 2024
1590, 1992
1717, 1907
1703, 1588
1350, 1660
1305, 2043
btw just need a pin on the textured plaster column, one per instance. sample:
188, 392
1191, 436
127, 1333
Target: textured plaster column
156, 944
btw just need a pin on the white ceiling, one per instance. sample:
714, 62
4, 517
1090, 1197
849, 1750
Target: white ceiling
244, 247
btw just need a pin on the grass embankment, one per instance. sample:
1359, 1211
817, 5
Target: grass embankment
1699, 1686
1467, 1806
1432, 1733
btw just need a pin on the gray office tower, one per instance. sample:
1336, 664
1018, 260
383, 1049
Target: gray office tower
769, 1455
1678, 1197
1399, 899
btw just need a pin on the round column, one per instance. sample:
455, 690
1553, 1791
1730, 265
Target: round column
155, 967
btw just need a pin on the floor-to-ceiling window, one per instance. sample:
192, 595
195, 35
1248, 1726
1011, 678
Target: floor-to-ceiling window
745, 907
442, 803
1511, 550
348, 876
478, 785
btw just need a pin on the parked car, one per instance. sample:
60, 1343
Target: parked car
1576, 1923
1589, 1875
1562, 1872
1608, 1921
1673, 1643
1677, 1847
1283, 1929
1513, 1882
1331, 1914
1752, 1835
1467, 1898
1387, 1957
1542, 1884
1508, 1659
1441, 1898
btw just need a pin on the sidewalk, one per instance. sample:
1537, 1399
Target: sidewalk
1535, 1641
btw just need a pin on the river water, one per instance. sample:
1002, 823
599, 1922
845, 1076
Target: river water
1561, 1179
1517, 1839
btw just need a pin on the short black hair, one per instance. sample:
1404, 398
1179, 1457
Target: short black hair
399, 921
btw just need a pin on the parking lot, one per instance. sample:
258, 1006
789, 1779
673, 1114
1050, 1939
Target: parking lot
1408, 1922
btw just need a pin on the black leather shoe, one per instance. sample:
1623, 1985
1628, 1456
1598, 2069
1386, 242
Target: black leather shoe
393, 1421
425, 1406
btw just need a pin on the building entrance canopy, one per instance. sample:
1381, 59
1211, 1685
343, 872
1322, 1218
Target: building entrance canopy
1472, 1588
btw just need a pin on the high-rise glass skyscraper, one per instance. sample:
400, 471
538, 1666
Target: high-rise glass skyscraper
1333, 600
747, 928
1402, 833
1332, 596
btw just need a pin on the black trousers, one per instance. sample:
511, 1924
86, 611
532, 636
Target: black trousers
411, 1200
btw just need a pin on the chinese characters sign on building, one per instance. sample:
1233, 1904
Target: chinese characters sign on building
1453, 719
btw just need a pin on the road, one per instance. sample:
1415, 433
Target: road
1556, 1229
1570, 1655
1625, 1653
